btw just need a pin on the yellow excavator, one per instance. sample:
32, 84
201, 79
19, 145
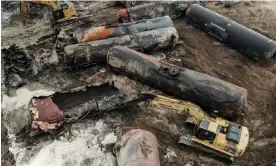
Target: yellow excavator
62, 11
213, 135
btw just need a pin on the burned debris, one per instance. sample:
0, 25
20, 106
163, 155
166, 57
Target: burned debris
17, 65
208, 92
51, 112
128, 3
232, 33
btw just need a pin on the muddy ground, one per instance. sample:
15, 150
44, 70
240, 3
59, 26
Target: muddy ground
198, 52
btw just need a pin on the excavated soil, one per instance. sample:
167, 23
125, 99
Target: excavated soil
198, 52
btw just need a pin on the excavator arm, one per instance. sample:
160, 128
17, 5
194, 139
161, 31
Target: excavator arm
52, 4
25, 8
196, 114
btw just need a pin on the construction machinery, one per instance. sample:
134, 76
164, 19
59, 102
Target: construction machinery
62, 10
213, 135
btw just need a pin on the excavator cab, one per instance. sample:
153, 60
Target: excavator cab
64, 12
202, 132
230, 140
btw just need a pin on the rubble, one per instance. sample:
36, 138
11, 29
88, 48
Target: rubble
128, 3
173, 9
229, 32
137, 148
95, 51
103, 32
208, 92
17, 65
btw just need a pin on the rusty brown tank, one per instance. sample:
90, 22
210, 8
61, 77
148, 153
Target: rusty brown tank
137, 148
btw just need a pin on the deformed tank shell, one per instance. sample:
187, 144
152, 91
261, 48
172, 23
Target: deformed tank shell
51, 112
237, 36
137, 148
103, 32
46, 115
95, 51
206, 91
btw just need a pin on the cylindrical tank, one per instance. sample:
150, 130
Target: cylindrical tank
137, 148
227, 31
98, 33
173, 9
206, 91
95, 51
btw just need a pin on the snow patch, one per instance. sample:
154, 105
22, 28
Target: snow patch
15, 109
83, 149
109, 139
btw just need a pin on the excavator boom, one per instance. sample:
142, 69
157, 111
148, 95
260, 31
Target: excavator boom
196, 114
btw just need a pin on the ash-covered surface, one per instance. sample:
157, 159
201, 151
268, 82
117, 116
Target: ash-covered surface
89, 144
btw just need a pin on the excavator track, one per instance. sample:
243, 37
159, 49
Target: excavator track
187, 140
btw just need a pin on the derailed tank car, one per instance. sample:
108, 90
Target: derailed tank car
208, 92
173, 9
103, 32
227, 31
95, 51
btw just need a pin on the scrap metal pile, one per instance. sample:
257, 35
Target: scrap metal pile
126, 49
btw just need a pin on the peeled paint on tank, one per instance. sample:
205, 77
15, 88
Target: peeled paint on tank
206, 91
95, 51
137, 148
103, 32
239, 37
